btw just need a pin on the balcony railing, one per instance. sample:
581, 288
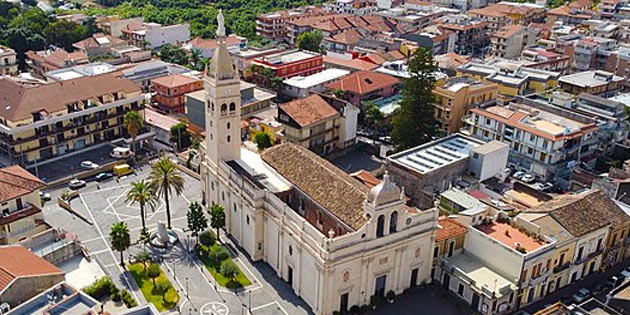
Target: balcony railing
561, 268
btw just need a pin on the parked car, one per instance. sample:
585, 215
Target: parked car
89, 164
613, 282
528, 178
626, 273
121, 153
44, 196
538, 186
122, 169
76, 184
518, 175
547, 186
581, 295
104, 176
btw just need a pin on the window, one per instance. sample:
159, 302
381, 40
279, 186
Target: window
460, 289
290, 250
232, 107
599, 243
228, 138
380, 226
223, 108
227, 125
436, 251
451, 248
532, 137
246, 218
223, 196
580, 252
393, 222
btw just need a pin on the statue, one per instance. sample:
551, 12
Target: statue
221, 25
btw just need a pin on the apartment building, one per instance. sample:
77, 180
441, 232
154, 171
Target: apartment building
456, 96
595, 82
544, 59
362, 86
323, 124
99, 44
154, 35
44, 61
512, 77
274, 25
290, 63
20, 214
435, 38
44, 121
449, 241
8, 61
170, 91
509, 41
541, 142
472, 34
351, 7
502, 14
300, 86
570, 15
113, 25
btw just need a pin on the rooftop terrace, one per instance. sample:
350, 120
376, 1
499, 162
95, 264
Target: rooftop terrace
510, 236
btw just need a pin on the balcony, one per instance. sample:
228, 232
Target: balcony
561, 268
25, 212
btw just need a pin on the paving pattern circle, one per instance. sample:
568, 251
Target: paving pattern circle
214, 308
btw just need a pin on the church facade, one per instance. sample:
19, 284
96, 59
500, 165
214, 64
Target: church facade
336, 241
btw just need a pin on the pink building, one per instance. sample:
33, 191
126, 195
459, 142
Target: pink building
365, 85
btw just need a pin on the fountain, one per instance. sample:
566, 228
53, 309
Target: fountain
163, 238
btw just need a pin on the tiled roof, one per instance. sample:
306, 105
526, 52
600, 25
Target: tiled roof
449, 228
91, 41
17, 101
363, 82
309, 110
366, 178
327, 185
16, 181
508, 31
60, 58
350, 36
583, 213
18, 261
208, 44
174, 80
356, 63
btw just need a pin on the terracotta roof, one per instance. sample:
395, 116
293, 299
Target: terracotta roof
366, 178
18, 101
158, 120
60, 58
510, 236
351, 36
583, 213
91, 41
356, 64
203, 43
16, 181
309, 110
326, 184
363, 82
508, 31
18, 261
174, 80
455, 59
449, 228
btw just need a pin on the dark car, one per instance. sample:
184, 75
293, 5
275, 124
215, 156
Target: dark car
104, 176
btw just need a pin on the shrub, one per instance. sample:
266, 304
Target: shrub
207, 238
218, 254
100, 288
391, 295
128, 299
375, 300
229, 269
153, 272
354, 309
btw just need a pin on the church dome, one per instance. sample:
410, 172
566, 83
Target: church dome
385, 192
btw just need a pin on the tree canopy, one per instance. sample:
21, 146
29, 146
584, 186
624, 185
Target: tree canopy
310, 41
263, 140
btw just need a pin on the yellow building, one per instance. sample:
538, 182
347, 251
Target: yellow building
456, 95
44, 121
20, 205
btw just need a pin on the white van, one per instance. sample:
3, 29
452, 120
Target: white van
121, 153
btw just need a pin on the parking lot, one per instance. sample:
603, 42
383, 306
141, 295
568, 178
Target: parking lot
70, 165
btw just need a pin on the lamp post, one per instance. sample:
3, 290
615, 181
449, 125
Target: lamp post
249, 305
187, 287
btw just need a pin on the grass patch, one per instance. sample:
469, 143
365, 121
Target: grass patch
214, 268
149, 291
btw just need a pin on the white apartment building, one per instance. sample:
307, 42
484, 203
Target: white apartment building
300, 87
154, 35
352, 7
8, 61
333, 240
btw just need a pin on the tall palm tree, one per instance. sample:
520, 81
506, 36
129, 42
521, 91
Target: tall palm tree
133, 122
142, 193
120, 239
165, 178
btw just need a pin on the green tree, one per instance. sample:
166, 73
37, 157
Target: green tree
174, 54
310, 41
338, 93
162, 287
229, 270
207, 238
277, 84
63, 33
143, 257
373, 114
153, 272
218, 254
143, 194
144, 238
197, 221
134, 122
90, 26
22, 40
217, 218
166, 178
180, 135
120, 239
414, 121
262, 141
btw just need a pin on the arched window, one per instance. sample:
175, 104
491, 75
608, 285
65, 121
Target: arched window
290, 250
228, 126
393, 222
223, 108
228, 138
212, 106
232, 107
380, 226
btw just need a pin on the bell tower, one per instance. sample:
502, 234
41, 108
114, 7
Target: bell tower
223, 103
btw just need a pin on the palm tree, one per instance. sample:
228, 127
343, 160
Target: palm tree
276, 84
133, 122
217, 218
120, 239
166, 178
142, 193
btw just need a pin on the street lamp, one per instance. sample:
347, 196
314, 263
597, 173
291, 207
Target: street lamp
249, 305
186, 287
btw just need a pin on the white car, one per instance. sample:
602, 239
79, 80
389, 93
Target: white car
89, 164
538, 186
76, 184
528, 178
518, 175
44, 196
581, 295
626, 272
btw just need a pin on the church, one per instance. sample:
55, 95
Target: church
335, 240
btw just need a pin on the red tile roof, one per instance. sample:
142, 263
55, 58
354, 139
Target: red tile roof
366, 178
363, 82
18, 261
203, 43
449, 228
510, 236
309, 110
174, 80
16, 181
356, 64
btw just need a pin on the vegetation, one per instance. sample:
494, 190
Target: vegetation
214, 259
181, 136
229, 270
373, 114
143, 194
153, 272
143, 257
207, 238
263, 141
160, 292
100, 288
414, 121
197, 221
144, 238
165, 178
174, 54
310, 41
217, 218
120, 239
134, 122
